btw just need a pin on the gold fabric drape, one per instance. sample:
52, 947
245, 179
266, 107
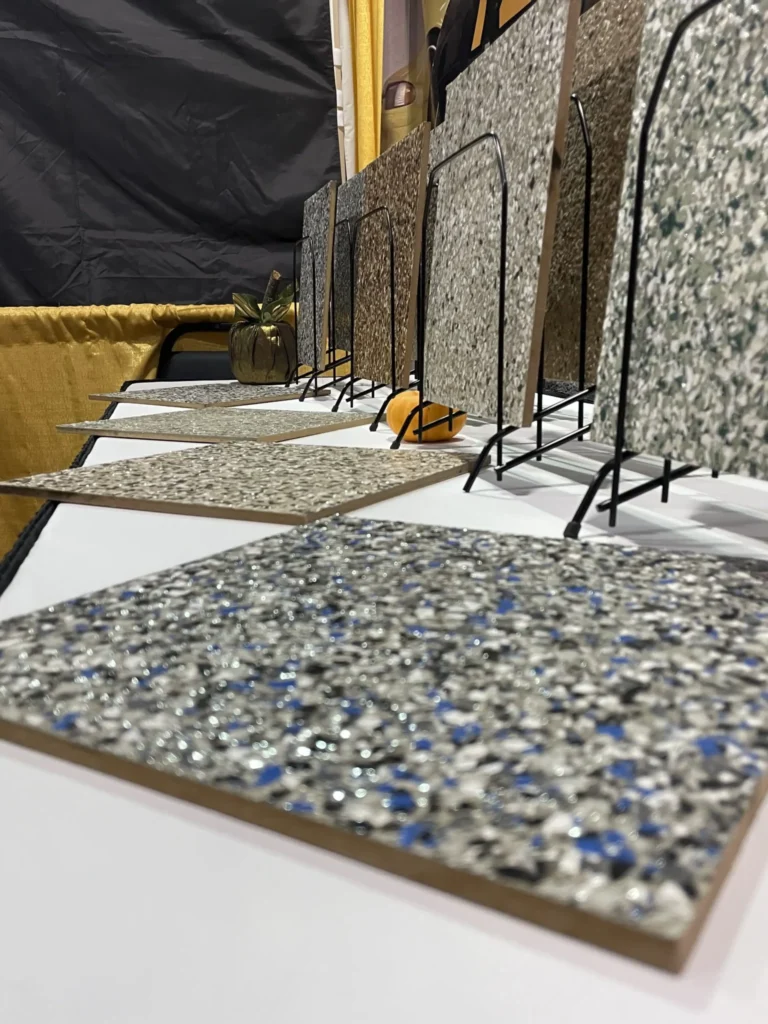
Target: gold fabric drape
367, 26
51, 359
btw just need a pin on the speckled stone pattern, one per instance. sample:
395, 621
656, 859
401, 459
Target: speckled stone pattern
349, 207
699, 370
314, 295
518, 89
585, 723
397, 181
200, 396
247, 480
217, 424
605, 70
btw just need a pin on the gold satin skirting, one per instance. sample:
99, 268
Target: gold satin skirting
52, 358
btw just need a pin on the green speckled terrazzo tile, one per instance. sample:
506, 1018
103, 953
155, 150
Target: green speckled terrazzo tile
518, 88
576, 735
247, 480
604, 74
699, 371
319, 220
222, 424
201, 396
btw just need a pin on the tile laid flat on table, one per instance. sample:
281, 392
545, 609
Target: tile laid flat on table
222, 424
698, 388
247, 480
605, 70
518, 88
575, 735
314, 295
349, 207
396, 180
201, 396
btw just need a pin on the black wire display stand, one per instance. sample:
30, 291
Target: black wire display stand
349, 379
417, 413
583, 393
379, 211
299, 246
333, 364
621, 454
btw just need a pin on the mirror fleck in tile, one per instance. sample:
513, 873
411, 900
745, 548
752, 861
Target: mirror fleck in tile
586, 724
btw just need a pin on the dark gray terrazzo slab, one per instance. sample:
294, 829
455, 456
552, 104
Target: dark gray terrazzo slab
518, 88
201, 396
314, 290
247, 480
349, 206
532, 723
222, 424
699, 369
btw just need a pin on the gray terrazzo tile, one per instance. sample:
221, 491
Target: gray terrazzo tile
199, 396
319, 221
519, 89
605, 70
586, 724
397, 182
223, 424
699, 370
248, 480
349, 207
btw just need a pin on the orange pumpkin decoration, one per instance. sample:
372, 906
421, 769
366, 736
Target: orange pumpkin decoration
403, 404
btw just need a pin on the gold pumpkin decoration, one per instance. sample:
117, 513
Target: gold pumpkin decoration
403, 404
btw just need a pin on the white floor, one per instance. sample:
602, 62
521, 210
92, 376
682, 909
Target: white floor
126, 907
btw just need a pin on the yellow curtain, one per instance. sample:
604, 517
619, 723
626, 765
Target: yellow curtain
367, 27
51, 359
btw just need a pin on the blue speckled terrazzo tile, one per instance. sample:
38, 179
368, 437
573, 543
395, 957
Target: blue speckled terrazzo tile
588, 724
699, 369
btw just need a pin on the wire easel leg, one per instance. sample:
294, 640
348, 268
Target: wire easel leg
662, 481
573, 529
384, 406
484, 454
407, 425
634, 261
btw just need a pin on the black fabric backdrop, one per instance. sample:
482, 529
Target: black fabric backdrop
158, 150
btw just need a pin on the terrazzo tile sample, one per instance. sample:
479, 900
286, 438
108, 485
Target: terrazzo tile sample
397, 181
576, 735
518, 88
349, 207
222, 424
605, 70
201, 396
699, 366
247, 480
314, 294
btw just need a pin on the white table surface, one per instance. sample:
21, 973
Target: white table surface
121, 905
